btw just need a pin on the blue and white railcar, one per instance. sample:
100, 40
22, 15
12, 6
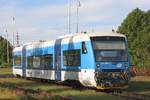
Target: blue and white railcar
96, 59
39, 60
17, 61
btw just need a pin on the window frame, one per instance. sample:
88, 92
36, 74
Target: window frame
14, 58
41, 66
78, 53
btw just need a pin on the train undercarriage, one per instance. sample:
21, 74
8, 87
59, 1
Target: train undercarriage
112, 80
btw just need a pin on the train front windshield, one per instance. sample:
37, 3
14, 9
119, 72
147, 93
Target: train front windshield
109, 48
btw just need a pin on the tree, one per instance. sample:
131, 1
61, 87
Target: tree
3, 52
136, 27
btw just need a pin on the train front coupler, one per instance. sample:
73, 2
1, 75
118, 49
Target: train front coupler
110, 80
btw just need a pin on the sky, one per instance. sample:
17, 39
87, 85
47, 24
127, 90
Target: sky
48, 19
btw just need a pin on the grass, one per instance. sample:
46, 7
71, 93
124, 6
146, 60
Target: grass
5, 71
140, 85
9, 90
21, 89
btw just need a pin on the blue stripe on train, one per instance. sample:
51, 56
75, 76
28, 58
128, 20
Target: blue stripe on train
87, 60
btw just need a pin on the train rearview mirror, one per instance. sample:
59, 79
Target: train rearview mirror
84, 49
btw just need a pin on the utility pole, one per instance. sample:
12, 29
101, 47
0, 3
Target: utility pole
13, 32
78, 5
69, 16
17, 37
7, 46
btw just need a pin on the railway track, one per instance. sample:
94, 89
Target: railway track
127, 95
27, 91
120, 93
133, 96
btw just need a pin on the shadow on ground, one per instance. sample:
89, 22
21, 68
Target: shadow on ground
6, 76
139, 86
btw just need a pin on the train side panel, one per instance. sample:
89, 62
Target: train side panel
88, 63
74, 60
39, 68
71, 58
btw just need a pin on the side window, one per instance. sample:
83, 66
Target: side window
84, 49
17, 60
72, 57
36, 62
40, 62
47, 61
30, 61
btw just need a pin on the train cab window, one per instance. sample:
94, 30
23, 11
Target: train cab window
84, 49
17, 60
72, 58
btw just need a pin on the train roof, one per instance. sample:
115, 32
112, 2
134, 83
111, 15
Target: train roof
105, 34
77, 37
93, 34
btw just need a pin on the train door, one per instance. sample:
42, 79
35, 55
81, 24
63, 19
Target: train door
57, 49
24, 61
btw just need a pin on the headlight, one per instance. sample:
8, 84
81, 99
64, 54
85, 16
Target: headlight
119, 65
97, 65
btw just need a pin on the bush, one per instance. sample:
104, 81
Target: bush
6, 65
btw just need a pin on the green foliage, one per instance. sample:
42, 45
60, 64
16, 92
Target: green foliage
3, 53
136, 27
